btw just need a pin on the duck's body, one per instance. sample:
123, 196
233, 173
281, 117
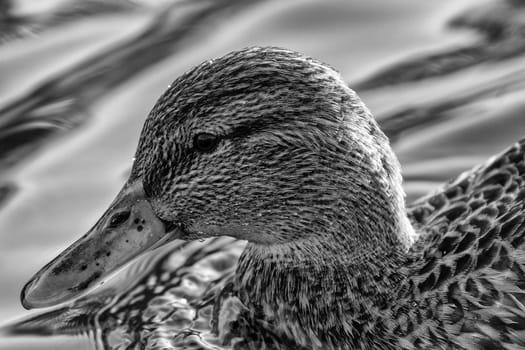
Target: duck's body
272, 147
460, 286
468, 281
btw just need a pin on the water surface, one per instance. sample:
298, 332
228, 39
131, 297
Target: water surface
445, 79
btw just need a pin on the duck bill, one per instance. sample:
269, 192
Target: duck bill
128, 228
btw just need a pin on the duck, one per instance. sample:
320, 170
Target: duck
271, 147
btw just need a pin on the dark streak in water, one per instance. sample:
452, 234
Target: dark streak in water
68, 320
416, 116
7, 190
501, 28
15, 26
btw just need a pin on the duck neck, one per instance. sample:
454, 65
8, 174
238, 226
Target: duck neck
330, 286
327, 288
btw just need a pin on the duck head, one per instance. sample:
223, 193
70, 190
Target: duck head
264, 145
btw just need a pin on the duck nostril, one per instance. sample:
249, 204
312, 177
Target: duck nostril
119, 218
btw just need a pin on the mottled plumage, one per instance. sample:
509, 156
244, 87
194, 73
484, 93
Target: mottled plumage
298, 167
468, 278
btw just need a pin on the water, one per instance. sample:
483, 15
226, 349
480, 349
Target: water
445, 80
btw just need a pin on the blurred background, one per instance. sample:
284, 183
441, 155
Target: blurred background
445, 79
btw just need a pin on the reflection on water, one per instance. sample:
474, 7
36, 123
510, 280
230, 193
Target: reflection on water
445, 80
164, 300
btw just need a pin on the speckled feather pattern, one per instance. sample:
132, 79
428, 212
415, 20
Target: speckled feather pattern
467, 283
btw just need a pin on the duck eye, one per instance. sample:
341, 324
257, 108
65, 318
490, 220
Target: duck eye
205, 142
